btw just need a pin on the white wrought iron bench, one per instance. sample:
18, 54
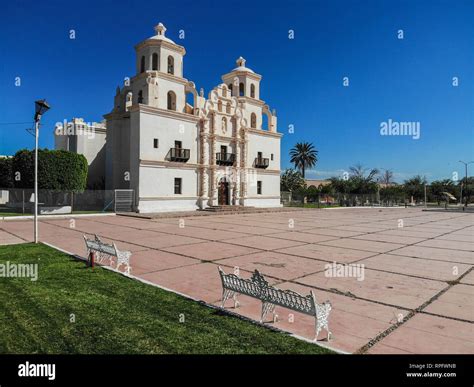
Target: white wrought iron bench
257, 287
104, 251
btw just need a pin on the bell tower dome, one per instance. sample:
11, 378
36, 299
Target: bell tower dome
159, 53
244, 82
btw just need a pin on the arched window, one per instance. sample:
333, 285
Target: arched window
241, 89
171, 100
142, 65
189, 103
154, 61
219, 106
170, 65
227, 108
253, 121
266, 119
252, 90
140, 96
224, 124
230, 88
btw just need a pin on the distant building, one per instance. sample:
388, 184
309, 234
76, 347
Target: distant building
316, 183
89, 140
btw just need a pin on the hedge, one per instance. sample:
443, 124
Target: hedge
58, 170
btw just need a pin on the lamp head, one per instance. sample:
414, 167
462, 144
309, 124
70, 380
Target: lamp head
41, 107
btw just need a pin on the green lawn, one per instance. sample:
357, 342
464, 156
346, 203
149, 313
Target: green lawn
115, 315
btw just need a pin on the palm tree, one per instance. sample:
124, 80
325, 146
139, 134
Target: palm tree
359, 171
386, 177
304, 155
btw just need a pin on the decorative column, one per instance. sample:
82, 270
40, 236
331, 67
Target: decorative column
213, 196
244, 174
237, 162
204, 163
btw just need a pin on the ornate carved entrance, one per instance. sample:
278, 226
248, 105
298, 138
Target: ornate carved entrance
223, 193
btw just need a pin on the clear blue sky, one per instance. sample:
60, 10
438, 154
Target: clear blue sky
389, 78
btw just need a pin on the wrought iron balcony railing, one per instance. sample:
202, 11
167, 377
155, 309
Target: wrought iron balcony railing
225, 158
179, 154
261, 162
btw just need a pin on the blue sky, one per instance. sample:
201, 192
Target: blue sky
407, 79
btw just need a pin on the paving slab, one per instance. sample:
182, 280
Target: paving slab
425, 334
393, 289
327, 253
263, 242
446, 244
359, 244
387, 237
210, 250
149, 261
457, 302
302, 236
468, 279
280, 266
434, 253
424, 268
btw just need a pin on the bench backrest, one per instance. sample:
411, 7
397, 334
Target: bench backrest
291, 300
240, 285
101, 247
258, 287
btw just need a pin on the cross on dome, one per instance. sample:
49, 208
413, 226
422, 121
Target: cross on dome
240, 62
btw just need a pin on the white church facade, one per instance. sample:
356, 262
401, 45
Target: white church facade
181, 151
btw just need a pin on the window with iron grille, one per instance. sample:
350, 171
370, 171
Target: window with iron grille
259, 187
177, 185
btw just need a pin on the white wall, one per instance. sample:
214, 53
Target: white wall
267, 145
167, 130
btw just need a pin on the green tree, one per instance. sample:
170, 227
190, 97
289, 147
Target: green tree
467, 188
393, 193
386, 177
304, 155
438, 187
291, 181
6, 173
58, 170
414, 187
342, 186
312, 193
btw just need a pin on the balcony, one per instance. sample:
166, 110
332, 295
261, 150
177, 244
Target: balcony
261, 163
179, 154
225, 158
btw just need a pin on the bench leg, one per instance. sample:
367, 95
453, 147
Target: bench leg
268, 307
236, 302
320, 324
226, 294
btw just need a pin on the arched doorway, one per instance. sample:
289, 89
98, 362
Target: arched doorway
223, 194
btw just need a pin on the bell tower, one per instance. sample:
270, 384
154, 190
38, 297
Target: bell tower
159, 81
244, 81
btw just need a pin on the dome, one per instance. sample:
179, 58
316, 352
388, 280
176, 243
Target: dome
160, 34
241, 66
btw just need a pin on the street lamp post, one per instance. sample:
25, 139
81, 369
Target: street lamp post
41, 107
465, 166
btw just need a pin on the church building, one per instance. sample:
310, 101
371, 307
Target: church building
181, 151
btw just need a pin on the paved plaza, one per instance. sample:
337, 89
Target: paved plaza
416, 294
